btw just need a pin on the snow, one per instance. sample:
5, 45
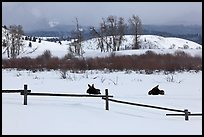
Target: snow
157, 44
45, 115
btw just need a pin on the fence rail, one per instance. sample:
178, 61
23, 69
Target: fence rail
14, 91
185, 112
186, 115
144, 105
193, 114
67, 95
25, 93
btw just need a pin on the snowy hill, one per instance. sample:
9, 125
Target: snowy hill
157, 44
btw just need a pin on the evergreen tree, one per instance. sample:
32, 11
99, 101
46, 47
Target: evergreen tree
30, 44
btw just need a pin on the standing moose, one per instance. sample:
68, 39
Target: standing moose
93, 90
156, 91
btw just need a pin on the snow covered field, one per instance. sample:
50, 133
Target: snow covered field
87, 116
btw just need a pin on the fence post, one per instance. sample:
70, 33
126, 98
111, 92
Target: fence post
106, 93
25, 94
186, 114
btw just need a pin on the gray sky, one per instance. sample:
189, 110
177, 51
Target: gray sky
35, 14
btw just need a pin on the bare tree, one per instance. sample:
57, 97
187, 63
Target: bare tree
136, 27
111, 33
6, 41
121, 31
101, 36
19, 39
112, 28
78, 38
13, 40
116, 29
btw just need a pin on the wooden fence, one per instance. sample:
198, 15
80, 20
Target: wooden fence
25, 92
185, 114
185, 111
14, 91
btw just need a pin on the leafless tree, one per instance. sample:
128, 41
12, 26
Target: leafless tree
78, 38
112, 30
121, 31
111, 33
101, 36
136, 27
6, 40
13, 40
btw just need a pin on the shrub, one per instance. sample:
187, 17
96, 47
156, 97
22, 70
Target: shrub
148, 62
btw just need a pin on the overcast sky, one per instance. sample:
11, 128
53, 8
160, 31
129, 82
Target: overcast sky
35, 14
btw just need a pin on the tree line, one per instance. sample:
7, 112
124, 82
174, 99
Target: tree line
111, 32
110, 35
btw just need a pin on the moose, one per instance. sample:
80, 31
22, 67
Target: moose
93, 90
156, 91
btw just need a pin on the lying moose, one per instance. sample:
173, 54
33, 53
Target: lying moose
156, 91
93, 90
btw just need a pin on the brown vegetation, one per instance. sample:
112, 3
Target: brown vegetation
148, 62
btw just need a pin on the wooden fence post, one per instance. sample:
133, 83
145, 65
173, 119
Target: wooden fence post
186, 114
25, 94
106, 93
